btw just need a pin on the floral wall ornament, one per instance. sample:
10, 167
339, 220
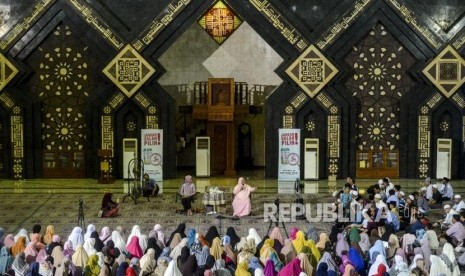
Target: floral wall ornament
380, 81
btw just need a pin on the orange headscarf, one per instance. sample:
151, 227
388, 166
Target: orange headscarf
19, 246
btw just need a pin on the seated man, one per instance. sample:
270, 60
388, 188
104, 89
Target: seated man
150, 186
456, 232
187, 192
446, 189
109, 207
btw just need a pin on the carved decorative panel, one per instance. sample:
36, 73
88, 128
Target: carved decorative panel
446, 71
7, 71
220, 22
312, 71
63, 86
128, 70
379, 81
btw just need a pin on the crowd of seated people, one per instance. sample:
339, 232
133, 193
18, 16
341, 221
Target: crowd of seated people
388, 237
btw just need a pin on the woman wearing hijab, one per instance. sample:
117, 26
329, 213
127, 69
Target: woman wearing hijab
176, 252
19, 246
152, 244
122, 268
312, 234
230, 254
324, 238
377, 247
76, 237
109, 207
134, 248
19, 265
134, 232
212, 233
241, 203
364, 242
49, 232
160, 234
143, 242
448, 251
56, 241
254, 235
266, 250
31, 252
9, 241
92, 268
231, 232
80, 258
356, 259
6, 260
98, 243
288, 251
89, 247
68, 250
305, 265
269, 269
183, 256
190, 237
292, 268
379, 262
180, 229
90, 229
148, 263
327, 262
216, 250
254, 263
33, 269
105, 235
119, 241
243, 269
189, 267
275, 234
172, 269
342, 244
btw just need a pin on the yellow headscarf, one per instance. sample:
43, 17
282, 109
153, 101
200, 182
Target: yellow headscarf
299, 241
92, 267
266, 250
242, 269
48, 237
216, 250
315, 252
80, 257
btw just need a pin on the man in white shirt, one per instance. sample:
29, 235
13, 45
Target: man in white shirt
429, 188
447, 191
459, 203
446, 223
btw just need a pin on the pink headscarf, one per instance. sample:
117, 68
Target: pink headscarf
276, 235
9, 240
293, 233
56, 238
292, 268
161, 236
134, 248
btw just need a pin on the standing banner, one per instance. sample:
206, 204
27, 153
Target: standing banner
289, 154
152, 152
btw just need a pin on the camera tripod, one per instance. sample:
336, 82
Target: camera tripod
276, 202
81, 214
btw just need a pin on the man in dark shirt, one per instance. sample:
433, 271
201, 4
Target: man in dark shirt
436, 201
150, 186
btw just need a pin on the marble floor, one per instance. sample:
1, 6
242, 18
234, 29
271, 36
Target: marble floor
55, 201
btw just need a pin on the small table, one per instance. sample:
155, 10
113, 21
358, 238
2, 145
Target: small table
214, 198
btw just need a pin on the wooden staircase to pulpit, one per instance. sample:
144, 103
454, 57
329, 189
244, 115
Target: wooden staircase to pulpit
220, 113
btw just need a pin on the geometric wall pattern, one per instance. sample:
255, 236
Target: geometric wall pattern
220, 22
7, 71
379, 82
311, 71
446, 71
128, 70
63, 88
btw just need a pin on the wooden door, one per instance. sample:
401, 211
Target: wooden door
220, 141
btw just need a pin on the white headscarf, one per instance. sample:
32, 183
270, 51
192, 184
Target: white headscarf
147, 262
134, 232
161, 236
22, 232
90, 229
105, 235
76, 237
415, 259
89, 247
254, 235
172, 269
259, 272
364, 242
438, 267
118, 240
448, 250
143, 240
380, 259
176, 252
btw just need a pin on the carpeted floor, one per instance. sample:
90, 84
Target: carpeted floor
61, 210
